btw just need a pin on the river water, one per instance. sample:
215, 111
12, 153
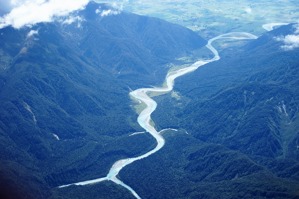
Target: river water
144, 118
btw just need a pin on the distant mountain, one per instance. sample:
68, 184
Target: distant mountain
64, 103
239, 133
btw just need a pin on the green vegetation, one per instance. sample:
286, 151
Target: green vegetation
215, 17
189, 168
66, 114
101, 191
241, 117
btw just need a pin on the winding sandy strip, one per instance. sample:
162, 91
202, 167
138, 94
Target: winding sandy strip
144, 118
270, 26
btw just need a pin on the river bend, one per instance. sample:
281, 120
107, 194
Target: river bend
144, 118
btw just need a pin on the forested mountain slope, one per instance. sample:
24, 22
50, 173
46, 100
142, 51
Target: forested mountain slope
238, 121
64, 103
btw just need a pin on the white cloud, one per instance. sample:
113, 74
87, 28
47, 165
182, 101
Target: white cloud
271, 26
118, 6
29, 12
109, 12
115, 10
72, 19
32, 33
248, 10
290, 41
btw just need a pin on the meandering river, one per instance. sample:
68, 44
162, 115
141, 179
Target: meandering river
144, 118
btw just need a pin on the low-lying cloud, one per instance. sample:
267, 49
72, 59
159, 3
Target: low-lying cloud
32, 33
20, 13
109, 12
248, 10
290, 41
115, 10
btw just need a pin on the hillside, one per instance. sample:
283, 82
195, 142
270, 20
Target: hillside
65, 109
238, 121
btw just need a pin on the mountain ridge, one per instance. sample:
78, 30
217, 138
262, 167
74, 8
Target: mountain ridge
243, 104
65, 110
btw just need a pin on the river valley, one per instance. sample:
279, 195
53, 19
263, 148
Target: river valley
144, 118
